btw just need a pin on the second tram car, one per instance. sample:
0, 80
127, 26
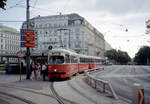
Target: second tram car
64, 63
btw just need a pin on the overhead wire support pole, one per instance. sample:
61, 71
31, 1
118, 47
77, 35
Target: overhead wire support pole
28, 49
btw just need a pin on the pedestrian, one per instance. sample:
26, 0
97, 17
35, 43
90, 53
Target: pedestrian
38, 72
7, 67
44, 70
33, 71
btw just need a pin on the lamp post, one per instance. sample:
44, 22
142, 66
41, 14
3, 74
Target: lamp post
68, 34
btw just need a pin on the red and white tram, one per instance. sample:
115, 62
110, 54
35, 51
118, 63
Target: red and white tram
64, 63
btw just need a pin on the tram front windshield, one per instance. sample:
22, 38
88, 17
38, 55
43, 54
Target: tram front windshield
56, 60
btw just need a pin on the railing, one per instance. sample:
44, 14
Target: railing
100, 85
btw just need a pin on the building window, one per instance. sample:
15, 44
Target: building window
77, 29
1, 46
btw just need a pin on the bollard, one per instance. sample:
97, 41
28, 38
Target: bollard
138, 94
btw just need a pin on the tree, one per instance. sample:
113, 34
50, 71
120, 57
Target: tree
118, 56
142, 57
111, 54
2, 4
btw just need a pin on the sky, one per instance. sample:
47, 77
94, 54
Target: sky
111, 17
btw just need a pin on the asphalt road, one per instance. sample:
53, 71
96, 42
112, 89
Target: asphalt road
123, 77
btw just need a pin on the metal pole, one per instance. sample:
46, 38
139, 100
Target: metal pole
69, 38
28, 49
20, 68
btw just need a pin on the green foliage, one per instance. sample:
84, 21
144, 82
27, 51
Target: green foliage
118, 56
2, 4
142, 57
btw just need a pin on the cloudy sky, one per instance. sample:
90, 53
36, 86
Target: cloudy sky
110, 17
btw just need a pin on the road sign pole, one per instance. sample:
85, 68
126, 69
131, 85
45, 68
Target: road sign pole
28, 49
20, 68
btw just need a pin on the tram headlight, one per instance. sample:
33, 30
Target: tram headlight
55, 70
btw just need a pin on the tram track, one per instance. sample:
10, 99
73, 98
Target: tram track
58, 98
53, 93
4, 94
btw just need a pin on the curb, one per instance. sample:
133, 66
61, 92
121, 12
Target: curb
2, 72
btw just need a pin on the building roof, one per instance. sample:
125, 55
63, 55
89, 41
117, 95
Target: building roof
8, 29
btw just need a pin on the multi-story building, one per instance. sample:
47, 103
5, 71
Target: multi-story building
148, 26
107, 46
67, 31
9, 41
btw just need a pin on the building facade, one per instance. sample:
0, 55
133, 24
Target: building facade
148, 27
9, 41
107, 46
67, 31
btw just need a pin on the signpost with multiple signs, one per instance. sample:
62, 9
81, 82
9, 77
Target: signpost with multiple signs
27, 38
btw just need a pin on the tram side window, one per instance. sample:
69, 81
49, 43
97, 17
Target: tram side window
81, 60
74, 59
67, 59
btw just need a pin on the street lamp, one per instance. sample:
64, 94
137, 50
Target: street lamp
68, 34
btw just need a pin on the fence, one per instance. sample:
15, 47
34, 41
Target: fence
100, 85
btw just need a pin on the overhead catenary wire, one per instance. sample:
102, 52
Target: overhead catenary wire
42, 9
16, 5
35, 3
10, 21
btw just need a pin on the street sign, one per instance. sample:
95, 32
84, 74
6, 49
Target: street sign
22, 31
22, 38
29, 44
29, 38
50, 47
28, 32
22, 44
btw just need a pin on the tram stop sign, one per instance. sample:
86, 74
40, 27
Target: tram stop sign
50, 47
20, 54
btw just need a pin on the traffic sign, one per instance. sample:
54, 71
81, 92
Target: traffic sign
29, 44
28, 32
22, 38
50, 47
29, 38
141, 96
22, 44
22, 31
